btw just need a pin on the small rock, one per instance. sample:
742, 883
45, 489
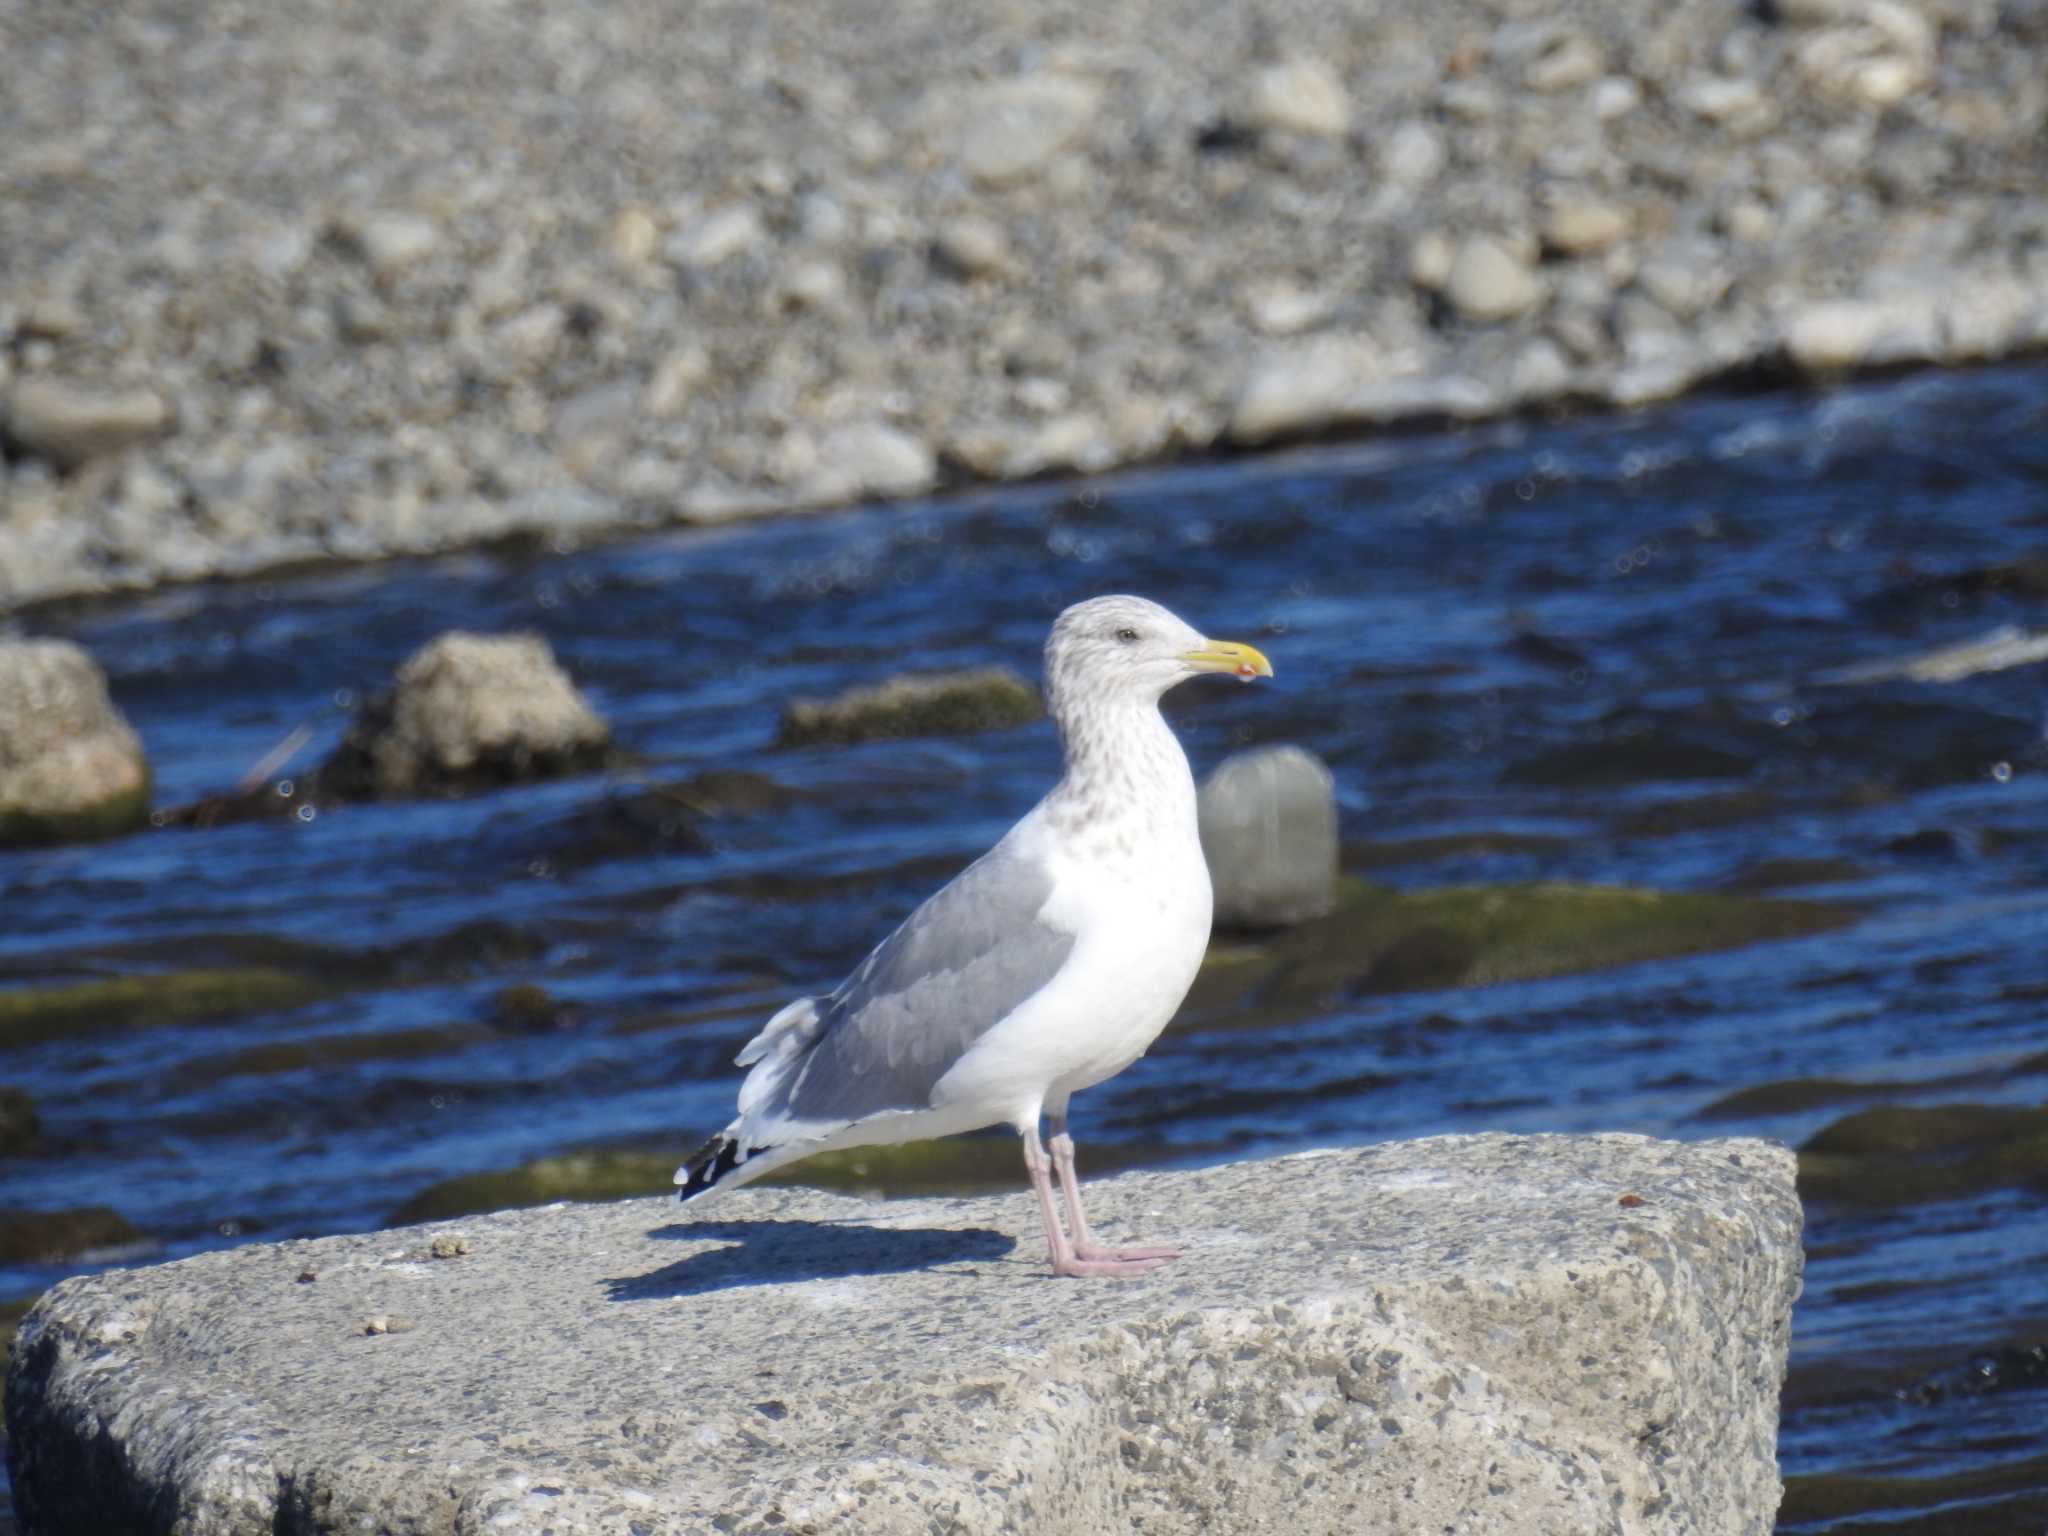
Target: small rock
449, 1246
716, 238
1737, 104
1488, 282
51, 1237
1414, 156
1615, 97
1269, 831
1837, 334
634, 237
1297, 96
387, 1323
815, 285
1685, 278
1014, 128
469, 710
70, 766
1584, 226
1430, 260
864, 459
308, 1275
971, 246
1297, 390
530, 338
1570, 62
67, 424
392, 243
675, 381
1285, 309
1749, 221
930, 704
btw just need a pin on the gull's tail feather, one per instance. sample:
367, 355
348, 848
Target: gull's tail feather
703, 1168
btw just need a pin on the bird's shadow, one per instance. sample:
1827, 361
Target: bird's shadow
777, 1252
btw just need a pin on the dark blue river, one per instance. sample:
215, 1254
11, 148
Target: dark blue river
1620, 651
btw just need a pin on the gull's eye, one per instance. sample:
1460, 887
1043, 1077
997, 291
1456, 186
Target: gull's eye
1128, 635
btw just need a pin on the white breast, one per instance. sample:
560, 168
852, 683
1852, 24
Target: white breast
1140, 912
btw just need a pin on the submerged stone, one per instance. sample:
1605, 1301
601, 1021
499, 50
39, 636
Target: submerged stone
920, 704
34, 1015
50, 1237
20, 1126
1473, 936
1910, 1155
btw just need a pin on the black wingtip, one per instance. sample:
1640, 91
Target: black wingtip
708, 1164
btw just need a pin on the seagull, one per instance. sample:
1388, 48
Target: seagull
1046, 966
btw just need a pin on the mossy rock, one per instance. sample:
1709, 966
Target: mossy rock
927, 704
1381, 940
36, 1015
958, 1165
50, 1237
1912, 1155
20, 1126
1789, 1097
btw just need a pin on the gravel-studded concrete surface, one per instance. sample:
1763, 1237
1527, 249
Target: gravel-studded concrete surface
1483, 1334
291, 280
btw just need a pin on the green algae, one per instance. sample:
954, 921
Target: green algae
1381, 940
959, 1165
935, 704
20, 1126
1915, 1155
50, 1237
36, 1015
114, 816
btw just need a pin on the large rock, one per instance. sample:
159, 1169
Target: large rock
469, 710
1481, 1334
1269, 831
70, 766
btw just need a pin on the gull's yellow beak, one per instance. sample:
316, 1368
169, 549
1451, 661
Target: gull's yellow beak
1245, 661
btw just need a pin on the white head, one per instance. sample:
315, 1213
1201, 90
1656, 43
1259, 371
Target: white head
1127, 648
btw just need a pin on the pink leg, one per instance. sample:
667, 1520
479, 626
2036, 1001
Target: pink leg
1085, 1245
1065, 1261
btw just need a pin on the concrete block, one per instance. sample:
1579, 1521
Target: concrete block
1477, 1334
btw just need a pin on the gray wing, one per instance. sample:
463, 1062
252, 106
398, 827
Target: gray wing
955, 969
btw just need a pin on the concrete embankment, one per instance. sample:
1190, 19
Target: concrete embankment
1490, 1333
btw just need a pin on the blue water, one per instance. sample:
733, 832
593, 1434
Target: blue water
1600, 636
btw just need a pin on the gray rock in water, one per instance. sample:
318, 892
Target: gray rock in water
1269, 829
468, 711
67, 424
70, 765
1490, 1333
